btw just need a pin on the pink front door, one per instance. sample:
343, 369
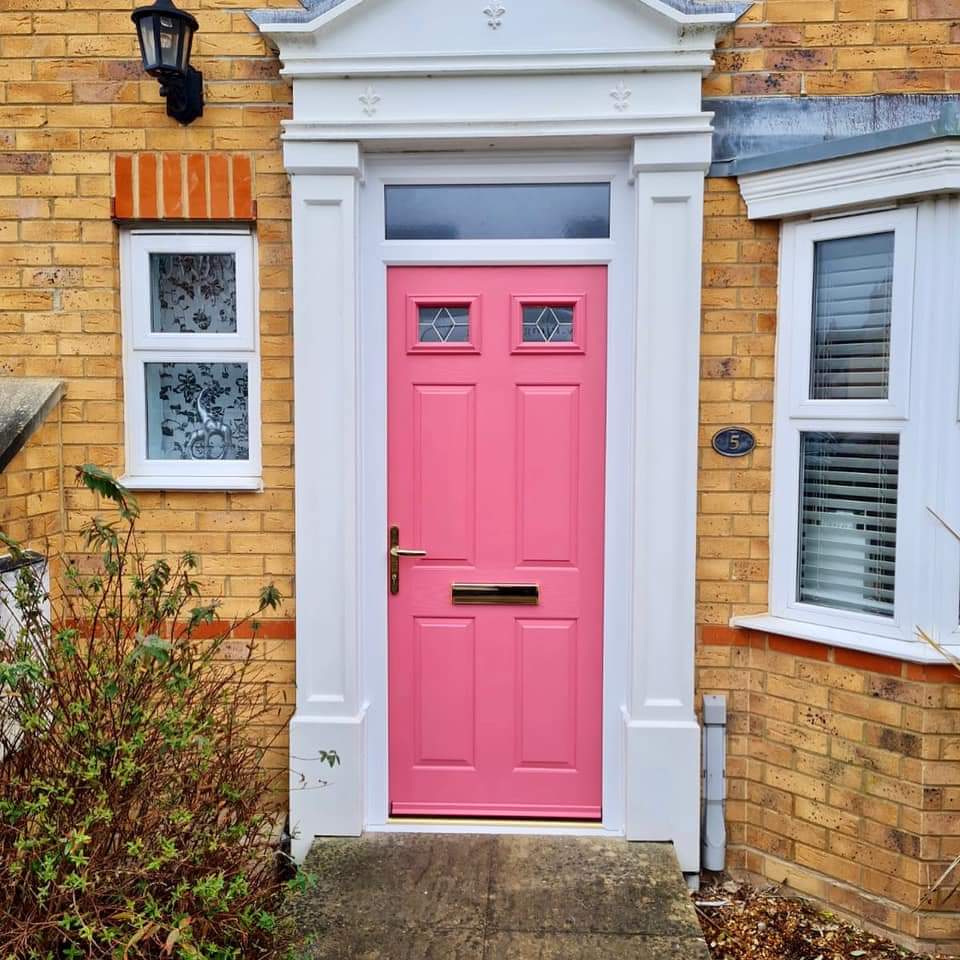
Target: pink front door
496, 470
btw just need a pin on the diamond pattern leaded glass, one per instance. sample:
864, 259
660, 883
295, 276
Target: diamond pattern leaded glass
545, 324
444, 325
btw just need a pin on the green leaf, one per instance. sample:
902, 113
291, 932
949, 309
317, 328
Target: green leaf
270, 597
154, 648
13, 546
106, 485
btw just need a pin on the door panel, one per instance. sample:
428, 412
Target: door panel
444, 674
445, 471
547, 472
496, 456
545, 706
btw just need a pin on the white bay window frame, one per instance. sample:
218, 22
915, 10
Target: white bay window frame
141, 346
921, 408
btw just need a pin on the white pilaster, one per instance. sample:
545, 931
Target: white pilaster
662, 734
329, 713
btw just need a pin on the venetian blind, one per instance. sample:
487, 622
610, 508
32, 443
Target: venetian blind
852, 299
848, 520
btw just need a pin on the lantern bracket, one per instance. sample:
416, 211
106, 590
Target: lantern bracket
184, 95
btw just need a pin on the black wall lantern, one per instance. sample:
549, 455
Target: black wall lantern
166, 37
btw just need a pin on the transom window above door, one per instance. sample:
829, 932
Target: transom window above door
498, 211
191, 372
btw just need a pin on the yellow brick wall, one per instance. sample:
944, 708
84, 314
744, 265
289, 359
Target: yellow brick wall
736, 389
843, 773
72, 95
31, 494
843, 777
852, 47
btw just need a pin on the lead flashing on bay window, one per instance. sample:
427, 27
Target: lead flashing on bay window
879, 381
191, 359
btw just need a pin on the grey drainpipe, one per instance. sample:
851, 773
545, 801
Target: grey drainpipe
714, 831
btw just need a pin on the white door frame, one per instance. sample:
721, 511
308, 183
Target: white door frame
376, 256
652, 738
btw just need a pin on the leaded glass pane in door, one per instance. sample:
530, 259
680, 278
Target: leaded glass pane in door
440, 324
546, 324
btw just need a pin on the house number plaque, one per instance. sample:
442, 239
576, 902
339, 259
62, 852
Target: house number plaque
734, 442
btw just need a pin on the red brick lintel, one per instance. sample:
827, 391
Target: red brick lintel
715, 635
177, 186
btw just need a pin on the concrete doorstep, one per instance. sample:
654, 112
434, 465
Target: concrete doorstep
461, 897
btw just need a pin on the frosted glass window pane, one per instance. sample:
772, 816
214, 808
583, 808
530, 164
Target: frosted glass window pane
193, 293
852, 310
197, 411
495, 211
848, 520
444, 325
545, 324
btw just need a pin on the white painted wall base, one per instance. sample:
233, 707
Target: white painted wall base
663, 784
323, 800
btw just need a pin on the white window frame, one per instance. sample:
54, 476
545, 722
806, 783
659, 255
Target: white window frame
141, 346
797, 299
925, 351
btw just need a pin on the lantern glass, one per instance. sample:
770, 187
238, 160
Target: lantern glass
170, 38
148, 44
186, 44
166, 36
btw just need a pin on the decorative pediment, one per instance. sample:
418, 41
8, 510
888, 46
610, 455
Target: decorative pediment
393, 74
338, 37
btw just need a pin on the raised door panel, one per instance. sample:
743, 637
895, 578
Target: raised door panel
444, 471
545, 700
547, 472
444, 692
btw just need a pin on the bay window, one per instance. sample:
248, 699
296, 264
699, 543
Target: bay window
867, 431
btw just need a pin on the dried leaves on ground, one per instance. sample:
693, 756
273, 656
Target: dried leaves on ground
742, 922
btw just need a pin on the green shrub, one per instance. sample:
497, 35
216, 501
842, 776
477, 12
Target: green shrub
134, 814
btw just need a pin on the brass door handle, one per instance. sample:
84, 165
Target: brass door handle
396, 552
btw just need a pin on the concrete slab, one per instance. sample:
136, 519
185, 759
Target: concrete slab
468, 897
25, 403
575, 946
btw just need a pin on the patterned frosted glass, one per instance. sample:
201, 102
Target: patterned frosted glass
547, 324
197, 411
193, 293
498, 211
444, 325
852, 311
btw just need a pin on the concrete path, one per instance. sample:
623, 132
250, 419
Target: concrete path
455, 897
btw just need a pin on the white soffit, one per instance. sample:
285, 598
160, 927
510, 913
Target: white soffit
880, 176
